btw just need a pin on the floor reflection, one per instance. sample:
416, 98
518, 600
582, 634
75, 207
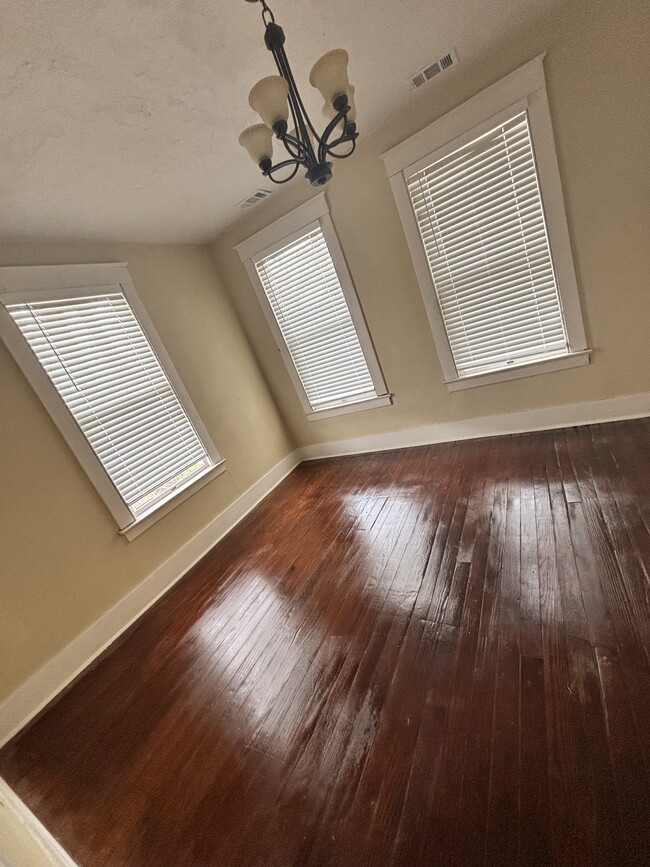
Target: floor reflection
257, 643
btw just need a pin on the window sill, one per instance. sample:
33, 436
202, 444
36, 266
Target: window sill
520, 371
137, 527
359, 406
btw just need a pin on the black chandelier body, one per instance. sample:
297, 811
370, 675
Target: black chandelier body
306, 147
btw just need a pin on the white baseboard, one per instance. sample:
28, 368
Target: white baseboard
38, 690
24, 841
589, 412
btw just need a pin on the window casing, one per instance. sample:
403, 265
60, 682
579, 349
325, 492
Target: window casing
305, 290
481, 203
86, 345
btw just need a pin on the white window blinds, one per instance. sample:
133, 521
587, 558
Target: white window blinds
305, 296
97, 356
481, 221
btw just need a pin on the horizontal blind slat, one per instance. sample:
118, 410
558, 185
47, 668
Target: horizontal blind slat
500, 296
484, 148
101, 362
492, 251
310, 309
499, 214
483, 182
483, 231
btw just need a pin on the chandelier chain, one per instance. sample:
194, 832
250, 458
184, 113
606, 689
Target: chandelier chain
267, 12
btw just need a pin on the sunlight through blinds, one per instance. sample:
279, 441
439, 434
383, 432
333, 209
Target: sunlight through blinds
481, 221
307, 301
100, 361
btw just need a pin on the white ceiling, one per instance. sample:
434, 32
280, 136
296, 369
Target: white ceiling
121, 117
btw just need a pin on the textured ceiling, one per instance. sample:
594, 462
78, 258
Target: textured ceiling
121, 117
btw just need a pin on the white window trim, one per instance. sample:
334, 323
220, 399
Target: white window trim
526, 88
25, 282
276, 235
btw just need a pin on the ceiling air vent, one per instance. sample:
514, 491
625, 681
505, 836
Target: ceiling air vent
254, 199
442, 64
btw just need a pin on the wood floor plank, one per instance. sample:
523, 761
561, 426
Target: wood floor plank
534, 848
530, 623
433, 822
469, 846
430, 656
502, 837
570, 838
630, 770
352, 774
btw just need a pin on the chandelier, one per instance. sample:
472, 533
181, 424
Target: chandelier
277, 96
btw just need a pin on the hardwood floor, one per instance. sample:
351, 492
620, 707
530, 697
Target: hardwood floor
434, 656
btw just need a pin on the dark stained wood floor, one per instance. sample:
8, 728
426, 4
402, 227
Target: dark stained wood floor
434, 656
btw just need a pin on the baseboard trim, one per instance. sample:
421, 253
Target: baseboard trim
590, 412
25, 702
24, 841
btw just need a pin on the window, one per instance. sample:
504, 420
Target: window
485, 223
306, 292
91, 353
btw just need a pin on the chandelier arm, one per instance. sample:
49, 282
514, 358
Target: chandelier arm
302, 127
293, 91
287, 145
300, 153
324, 144
278, 62
269, 172
282, 63
330, 152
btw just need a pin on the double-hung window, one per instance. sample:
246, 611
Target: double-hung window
306, 292
89, 350
480, 199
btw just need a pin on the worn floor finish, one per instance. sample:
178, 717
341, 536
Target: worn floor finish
435, 656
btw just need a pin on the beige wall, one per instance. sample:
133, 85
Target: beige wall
62, 562
597, 74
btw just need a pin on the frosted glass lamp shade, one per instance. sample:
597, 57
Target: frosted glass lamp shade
330, 74
269, 99
258, 141
329, 111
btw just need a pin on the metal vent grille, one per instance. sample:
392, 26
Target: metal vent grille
253, 199
432, 70
442, 64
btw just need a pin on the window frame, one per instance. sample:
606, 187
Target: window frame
277, 235
22, 283
525, 88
